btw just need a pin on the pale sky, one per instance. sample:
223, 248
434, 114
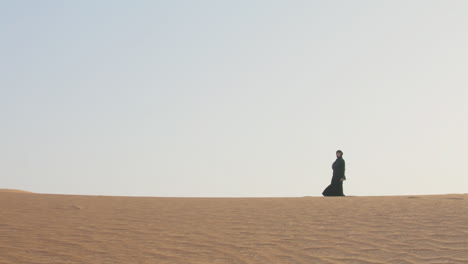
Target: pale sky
233, 98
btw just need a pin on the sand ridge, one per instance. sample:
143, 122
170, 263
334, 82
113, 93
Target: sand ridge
43, 228
13, 191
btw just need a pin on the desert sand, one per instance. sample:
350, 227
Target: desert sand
13, 191
45, 228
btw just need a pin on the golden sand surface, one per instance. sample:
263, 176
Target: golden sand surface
45, 228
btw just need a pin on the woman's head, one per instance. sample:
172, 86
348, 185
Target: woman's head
339, 153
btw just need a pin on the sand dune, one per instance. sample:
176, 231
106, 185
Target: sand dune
13, 191
40, 228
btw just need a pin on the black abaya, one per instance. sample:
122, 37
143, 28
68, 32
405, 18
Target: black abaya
336, 186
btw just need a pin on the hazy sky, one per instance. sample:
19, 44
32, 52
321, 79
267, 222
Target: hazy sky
233, 98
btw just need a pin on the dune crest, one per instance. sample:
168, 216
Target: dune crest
416, 229
14, 191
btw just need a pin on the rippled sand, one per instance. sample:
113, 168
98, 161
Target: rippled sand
40, 228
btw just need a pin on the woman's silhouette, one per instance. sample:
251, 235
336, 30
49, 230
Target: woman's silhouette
336, 186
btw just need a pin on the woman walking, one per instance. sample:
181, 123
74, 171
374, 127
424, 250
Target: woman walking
336, 186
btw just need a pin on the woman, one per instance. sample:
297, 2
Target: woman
336, 186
